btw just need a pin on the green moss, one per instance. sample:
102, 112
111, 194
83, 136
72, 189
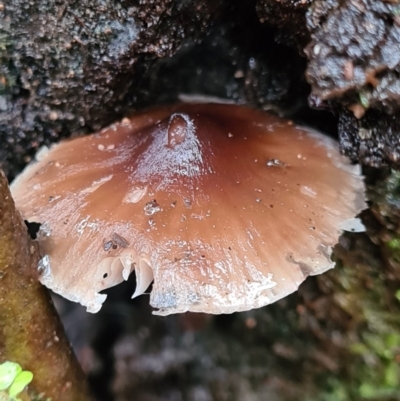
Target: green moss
385, 195
394, 244
378, 368
364, 100
13, 380
366, 286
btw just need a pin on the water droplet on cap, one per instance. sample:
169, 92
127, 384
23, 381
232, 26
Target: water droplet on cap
177, 129
275, 163
135, 195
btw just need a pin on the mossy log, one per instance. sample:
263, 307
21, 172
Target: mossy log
30, 331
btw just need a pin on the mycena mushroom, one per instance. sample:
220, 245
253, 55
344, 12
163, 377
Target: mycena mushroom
223, 207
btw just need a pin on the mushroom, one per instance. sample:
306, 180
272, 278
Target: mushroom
222, 207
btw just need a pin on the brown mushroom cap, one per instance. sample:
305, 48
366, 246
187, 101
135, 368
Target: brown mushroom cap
226, 208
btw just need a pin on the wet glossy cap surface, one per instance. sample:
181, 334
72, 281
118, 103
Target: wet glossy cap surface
225, 207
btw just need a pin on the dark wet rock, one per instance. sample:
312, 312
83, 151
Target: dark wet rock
239, 60
354, 64
61, 87
289, 16
353, 51
374, 139
356, 51
68, 66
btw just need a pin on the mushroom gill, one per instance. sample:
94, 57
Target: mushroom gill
226, 208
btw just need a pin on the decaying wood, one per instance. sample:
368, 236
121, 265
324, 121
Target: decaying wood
30, 331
